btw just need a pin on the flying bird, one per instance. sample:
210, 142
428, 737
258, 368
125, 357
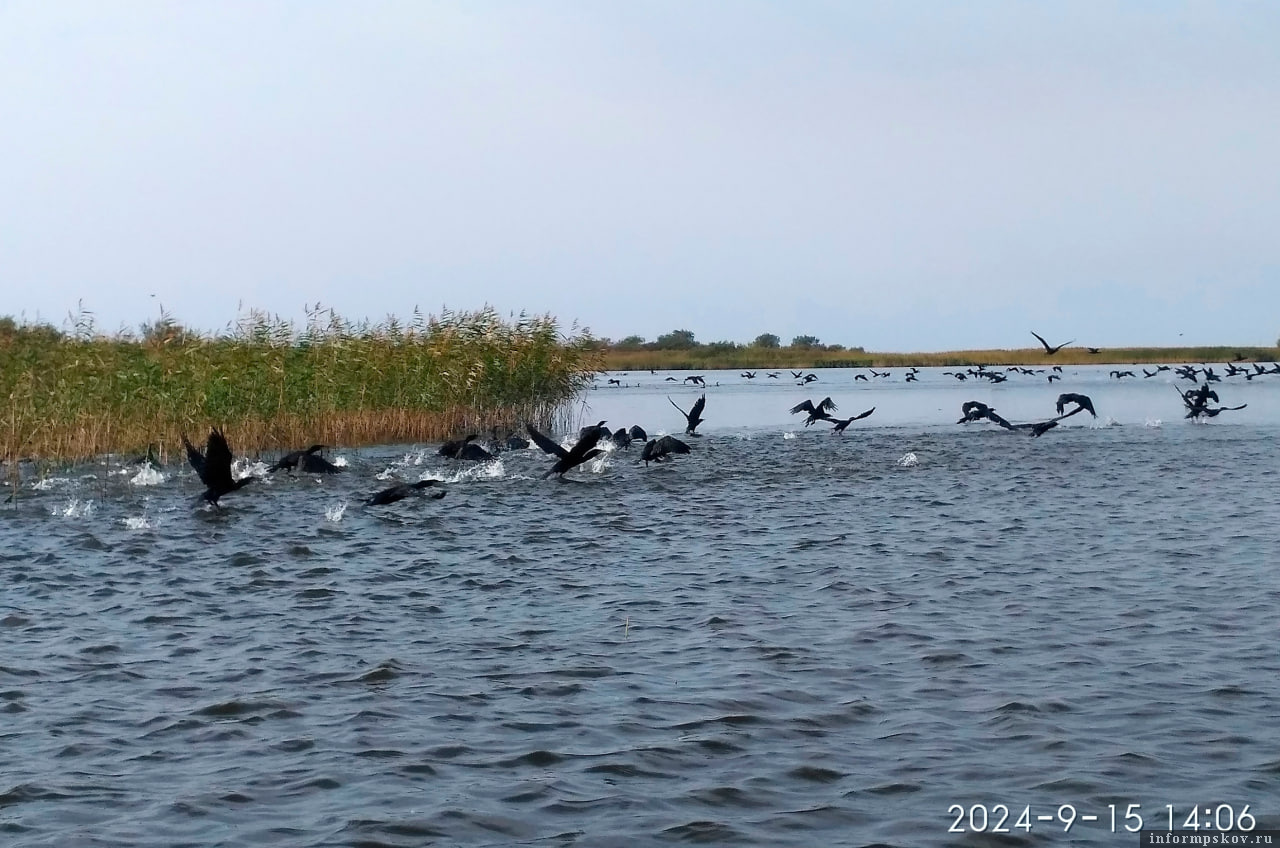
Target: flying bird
584, 450
1081, 401
214, 466
1049, 350
817, 412
694, 415
840, 425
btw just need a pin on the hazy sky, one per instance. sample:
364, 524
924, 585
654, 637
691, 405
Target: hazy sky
901, 176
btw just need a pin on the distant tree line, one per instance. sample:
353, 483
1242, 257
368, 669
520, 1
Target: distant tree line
685, 340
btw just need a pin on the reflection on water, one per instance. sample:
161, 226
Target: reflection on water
785, 638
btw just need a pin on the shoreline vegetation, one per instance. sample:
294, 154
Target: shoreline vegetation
273, 385
679, 350
789, 357
77, 393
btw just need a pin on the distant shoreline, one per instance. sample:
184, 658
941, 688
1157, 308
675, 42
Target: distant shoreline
749, 358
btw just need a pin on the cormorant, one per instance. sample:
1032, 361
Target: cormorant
405, 490
214, 466
694, 415
840, 425
582, 451
308, 461
638, 434
1082, 401
464, 449
816, 412
1049, 351
657, 450
976, 410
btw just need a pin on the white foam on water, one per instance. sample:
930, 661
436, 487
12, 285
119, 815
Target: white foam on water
147, 476
139, 523
908, 460
790, 434
1153, 423
335, 512
75, 508
49, 483
243, 468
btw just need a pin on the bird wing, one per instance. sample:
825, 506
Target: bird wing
999, 419
682, 412
217, 457
196, 459
863, 414
545, 443
828, 405
637, 432
1041, 338
701, 403
806, 406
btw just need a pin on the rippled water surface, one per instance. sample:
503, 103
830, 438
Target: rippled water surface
784, 638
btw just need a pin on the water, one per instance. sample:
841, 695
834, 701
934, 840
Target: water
784, 638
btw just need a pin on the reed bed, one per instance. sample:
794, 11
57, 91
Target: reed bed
275, 385
776, 358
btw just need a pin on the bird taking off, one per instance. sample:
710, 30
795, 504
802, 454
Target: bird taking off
1081, 401
694, 415
214, 466
817, 412
584, 450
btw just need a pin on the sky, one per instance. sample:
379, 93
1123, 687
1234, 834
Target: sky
898, 176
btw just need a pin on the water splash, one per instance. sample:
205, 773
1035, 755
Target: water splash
49, 483
75, 508
340, 461
908, 460
243, 468
1154, 423
789, 435
138, 523
336, 511
147, 476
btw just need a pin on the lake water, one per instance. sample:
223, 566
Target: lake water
785, 638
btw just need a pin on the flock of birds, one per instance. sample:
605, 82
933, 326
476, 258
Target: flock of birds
214, 464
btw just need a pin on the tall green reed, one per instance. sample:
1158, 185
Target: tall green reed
273, 384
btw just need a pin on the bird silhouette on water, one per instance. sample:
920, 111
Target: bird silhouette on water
465, 448
584, 450
309, 460
214, 466
693, 416
818, 411
1049, 350
842, 424
658, 450
406, 490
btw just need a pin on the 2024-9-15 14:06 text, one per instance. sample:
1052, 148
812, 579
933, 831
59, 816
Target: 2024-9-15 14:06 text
1000, 818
